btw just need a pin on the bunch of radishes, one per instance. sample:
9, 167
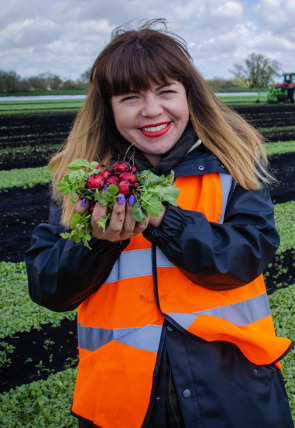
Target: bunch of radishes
146, 192
120, 174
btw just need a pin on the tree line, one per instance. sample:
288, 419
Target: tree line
10, 81
256, 71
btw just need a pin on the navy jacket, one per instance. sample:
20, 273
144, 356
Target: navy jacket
216, 385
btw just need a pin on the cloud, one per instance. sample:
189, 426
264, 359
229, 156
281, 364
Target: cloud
65, 36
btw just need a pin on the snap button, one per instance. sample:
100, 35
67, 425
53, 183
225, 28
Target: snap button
158, 398
169, 328
201, 168
255, 371
187, 393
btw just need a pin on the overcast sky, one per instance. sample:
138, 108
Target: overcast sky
65, 36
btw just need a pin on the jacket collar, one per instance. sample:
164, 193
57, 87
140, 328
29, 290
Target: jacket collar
199, 161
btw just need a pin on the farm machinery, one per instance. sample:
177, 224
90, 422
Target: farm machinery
283, 91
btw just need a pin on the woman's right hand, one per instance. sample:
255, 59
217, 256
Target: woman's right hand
121, 225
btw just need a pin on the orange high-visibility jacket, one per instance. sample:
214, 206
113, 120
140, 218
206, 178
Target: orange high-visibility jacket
120, 325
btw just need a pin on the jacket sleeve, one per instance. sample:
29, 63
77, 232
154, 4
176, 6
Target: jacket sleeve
221, 256
61, 273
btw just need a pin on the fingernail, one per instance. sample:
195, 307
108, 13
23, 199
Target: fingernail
121, 199
131, 200
83, 202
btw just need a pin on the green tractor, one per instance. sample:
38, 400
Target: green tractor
283, 91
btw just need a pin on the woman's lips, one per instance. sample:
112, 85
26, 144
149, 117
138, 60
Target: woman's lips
155, 130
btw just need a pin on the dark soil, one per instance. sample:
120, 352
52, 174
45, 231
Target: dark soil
21, 210
39, 353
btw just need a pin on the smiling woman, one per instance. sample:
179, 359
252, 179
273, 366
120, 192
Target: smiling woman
174, 326
161, 111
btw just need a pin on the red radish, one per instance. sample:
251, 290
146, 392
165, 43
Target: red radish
120, 167
95, 181
99, 166
112, 180
105, 173
133, 169
127, 176
124, 187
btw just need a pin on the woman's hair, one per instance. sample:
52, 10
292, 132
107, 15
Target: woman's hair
135, 59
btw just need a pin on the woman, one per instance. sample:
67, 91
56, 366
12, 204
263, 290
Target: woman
174, 325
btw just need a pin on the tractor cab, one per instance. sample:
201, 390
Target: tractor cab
289, 78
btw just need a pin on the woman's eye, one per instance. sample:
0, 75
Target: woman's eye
168, 91
129, 98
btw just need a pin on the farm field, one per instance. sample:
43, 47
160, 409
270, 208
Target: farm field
38, 348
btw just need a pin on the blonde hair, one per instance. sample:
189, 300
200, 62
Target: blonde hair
141, 57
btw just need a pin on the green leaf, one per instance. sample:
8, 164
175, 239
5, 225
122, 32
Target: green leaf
101, 197
112, 190
166, 194
152, 179
102, 223
138, 213
78, 164
63, 187
152, 205
73, 199
76, 218
65, 235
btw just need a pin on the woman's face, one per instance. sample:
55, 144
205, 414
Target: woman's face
152, 120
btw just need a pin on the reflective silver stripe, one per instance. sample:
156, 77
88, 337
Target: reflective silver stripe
226, 183
146, 338
239, 314
136, 263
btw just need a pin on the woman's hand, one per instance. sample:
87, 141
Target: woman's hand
121, 226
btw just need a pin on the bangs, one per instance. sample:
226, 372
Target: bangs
138, 64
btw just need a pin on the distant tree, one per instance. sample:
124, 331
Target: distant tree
220, 83
53, 80
10, 81
85, 76
69, 84
257, 71
38, 82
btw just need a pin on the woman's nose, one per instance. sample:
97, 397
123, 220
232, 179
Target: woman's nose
151, 106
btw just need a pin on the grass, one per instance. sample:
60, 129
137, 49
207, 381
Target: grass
46, 106
24, 178
243, 100
285, 223
279, 147
19, 313
42, 404
283, 312
37, 93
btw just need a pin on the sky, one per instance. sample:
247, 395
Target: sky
65, 36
